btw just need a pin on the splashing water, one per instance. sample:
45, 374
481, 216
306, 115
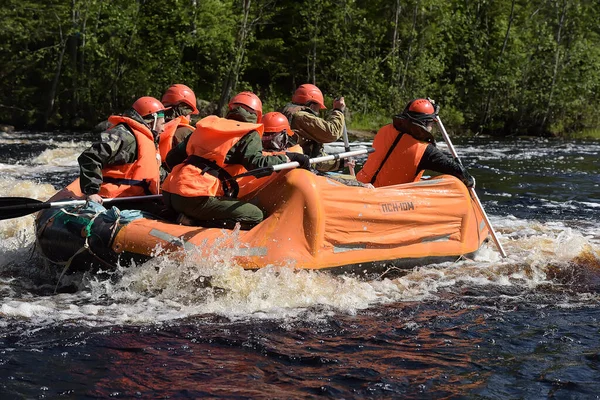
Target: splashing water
196, 324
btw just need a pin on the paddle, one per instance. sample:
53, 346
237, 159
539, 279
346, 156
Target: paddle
266, 171
471, 189
347, 147
14, 207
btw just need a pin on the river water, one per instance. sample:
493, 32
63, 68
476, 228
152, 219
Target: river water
488, 328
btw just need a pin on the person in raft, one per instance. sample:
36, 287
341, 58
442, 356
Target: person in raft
311, 131
406, 147
181, 101
125, 162
277, 138
199, 187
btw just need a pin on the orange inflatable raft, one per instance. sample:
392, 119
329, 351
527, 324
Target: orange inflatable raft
313, 222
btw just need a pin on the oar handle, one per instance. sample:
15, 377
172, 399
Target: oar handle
330, 157
104, 201
472, 190
261, 172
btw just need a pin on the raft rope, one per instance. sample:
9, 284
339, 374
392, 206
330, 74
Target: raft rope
86, 247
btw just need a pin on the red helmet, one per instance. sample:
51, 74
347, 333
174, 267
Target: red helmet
276, 122
249, 100
421, 106
420, 111
147, 105
308, 93
179, 93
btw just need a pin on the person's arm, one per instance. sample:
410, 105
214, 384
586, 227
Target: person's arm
116, 147
249, 153
177, 155
318, 129
435, 160
182, 133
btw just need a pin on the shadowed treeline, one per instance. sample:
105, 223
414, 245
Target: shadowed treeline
497, 67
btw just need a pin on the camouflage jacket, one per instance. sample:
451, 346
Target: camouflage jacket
311, 131
117, 146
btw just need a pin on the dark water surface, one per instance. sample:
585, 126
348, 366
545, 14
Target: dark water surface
526, 327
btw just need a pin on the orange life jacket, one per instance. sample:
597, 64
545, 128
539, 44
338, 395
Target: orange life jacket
165, 139
399, 166
207, 149
141, 177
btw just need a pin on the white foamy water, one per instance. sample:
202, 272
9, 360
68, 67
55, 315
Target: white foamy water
53, 160
169, 288
63, 156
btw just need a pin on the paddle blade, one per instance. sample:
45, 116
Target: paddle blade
14, 207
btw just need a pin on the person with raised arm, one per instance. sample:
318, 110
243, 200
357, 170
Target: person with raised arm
310, 130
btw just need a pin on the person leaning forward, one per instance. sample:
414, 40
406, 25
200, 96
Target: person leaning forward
310, 130
125, 162
405, 148
199, 187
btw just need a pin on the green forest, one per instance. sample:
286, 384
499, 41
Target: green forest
496, 67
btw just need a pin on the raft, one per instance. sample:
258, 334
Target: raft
312, 222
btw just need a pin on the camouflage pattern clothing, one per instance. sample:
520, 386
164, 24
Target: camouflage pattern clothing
117, 146
311, 131
224, 212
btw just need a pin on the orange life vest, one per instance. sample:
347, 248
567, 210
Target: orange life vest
400, 166
165, 139
207, 149
141, 177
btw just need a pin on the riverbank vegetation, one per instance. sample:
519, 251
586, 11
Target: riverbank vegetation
495, 67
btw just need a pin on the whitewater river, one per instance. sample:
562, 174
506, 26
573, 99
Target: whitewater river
489, 328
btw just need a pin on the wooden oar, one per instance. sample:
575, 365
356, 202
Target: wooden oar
471, 189
266, 171
14, 207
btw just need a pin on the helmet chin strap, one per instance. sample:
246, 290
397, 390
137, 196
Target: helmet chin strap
153, 124
155, 115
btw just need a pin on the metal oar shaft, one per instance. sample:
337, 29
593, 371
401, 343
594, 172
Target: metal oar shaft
15, 207
261, 172
104, 201
347, 147
472, 190
330, 157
